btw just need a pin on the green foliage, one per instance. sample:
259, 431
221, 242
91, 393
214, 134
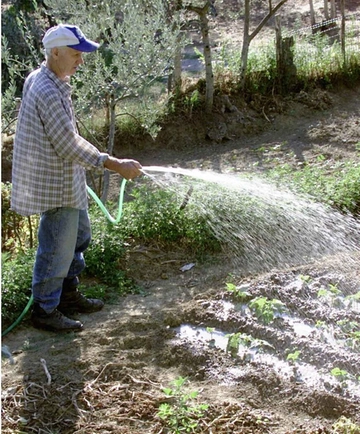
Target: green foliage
16, 276
305, 279
156, 216
20, 54
239, 292
182, 414
18, 233
340, 188
340, 374
266, 309
261, 72
346, 426
350, 332
131, 61
293, 357
104, 254
235, 340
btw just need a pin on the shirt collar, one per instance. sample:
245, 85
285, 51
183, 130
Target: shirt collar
63, 86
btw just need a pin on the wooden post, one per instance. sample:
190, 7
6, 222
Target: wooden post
342, 30
333, 8
326, 9
285, 68
312, 12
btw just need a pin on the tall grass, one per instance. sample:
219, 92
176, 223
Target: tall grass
318, 60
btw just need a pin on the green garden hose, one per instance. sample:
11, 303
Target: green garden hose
109, 217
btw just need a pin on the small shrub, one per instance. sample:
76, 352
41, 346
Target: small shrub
15, 285
104, 254
181, 415
156, 215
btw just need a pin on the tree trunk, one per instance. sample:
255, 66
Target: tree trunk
209, 97
312, 12
249, 37
204, 22
110, 148
246, 43
177, 65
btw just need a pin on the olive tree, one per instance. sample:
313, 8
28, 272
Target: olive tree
138, 45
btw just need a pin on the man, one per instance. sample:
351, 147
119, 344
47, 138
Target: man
49, 163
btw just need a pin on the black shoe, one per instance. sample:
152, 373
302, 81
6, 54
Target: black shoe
54, 321
74, 301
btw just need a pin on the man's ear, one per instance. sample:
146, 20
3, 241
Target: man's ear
55, 52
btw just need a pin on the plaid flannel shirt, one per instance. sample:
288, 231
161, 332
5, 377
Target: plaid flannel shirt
50, 157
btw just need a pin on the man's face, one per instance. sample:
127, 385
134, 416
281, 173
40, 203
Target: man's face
68, 61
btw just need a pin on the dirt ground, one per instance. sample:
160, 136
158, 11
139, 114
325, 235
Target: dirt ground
110, 377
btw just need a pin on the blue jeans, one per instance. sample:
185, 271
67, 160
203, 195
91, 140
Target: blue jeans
64, 234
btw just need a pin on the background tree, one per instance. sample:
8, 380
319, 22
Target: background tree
137, 50
202, 11
248, 37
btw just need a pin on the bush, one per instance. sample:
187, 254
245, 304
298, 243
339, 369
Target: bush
339, 189
103, 256
164, 216
16, 285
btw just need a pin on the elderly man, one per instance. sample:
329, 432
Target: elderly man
49, 163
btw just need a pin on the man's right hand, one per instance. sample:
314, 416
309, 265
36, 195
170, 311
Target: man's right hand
127, 168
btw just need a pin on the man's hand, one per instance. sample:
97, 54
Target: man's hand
129, 169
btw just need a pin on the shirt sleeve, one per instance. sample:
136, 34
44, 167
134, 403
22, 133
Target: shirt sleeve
56, 116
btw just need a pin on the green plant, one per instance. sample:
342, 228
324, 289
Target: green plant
237, 339
340, 374
181, 415
105, 253
159, 216
293, 357
346, 426
337, 186
18, 233
193, 101
266, 309
239, 292
350, 331
332, 295
353, 297
334, 289
16, 276
305, 279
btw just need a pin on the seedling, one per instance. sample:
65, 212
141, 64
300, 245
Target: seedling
239, 292
306, 279
237, 339
181, 415
340, 374
320, 324
265, 309
293, 357
334, 289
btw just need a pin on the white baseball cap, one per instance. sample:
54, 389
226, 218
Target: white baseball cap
65, 35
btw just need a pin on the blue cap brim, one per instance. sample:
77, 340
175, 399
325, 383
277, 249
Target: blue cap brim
85, 46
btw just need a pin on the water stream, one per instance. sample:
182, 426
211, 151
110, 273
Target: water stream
261, 225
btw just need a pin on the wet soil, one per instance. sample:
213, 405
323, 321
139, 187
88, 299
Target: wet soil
257, 376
